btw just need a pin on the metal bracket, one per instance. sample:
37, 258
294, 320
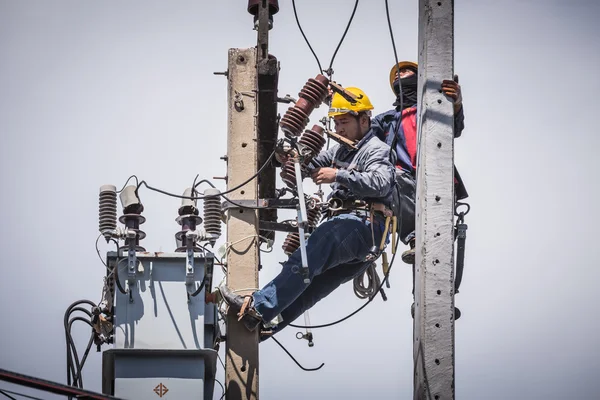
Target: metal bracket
302, 221
191, 237
131, 258
260, 203
281, 227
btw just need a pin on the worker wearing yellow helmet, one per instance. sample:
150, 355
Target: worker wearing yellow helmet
346, 243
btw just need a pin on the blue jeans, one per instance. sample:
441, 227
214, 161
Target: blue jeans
336, 253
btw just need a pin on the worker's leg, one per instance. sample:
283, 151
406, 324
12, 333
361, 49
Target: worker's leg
335, 243
407, 187
320, 287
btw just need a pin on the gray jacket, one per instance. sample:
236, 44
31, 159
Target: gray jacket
363, 174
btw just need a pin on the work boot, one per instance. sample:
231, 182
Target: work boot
243, 306
409, 255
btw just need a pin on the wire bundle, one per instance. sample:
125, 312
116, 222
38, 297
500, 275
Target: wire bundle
74, 363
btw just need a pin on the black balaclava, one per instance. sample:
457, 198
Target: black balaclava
409, 91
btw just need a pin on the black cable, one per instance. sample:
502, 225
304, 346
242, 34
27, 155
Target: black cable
343, 36
7, 395
5, 391
117, 280
213, 195
98, 251
329, 71
202, 284
292, 357
387, 13
127, 181
70, 344
304, 36
80, 363
204, 181
222, 388
69, 340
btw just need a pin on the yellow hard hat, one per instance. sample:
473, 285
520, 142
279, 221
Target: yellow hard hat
395, 68
340, 106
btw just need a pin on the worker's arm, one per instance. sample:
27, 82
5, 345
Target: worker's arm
459, 122
323, 159
377, 178
452, 89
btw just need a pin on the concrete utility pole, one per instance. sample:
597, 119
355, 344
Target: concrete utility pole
252, 134
433, 349
241, 361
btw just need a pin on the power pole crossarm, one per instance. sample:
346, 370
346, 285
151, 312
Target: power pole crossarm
434, 265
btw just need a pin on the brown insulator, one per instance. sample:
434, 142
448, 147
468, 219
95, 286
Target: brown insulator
291, 243
314, 140
293, 122
312, 94
288, 174
313, 216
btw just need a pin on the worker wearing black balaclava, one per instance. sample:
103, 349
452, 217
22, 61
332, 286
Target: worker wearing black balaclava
408, 79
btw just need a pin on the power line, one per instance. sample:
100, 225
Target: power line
329, 71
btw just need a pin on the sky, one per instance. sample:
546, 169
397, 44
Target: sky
92, 92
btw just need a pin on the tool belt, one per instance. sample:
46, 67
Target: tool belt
360, 207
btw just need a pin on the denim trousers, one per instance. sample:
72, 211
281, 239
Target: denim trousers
336, 252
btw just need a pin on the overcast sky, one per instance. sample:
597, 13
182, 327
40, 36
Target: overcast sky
92, 92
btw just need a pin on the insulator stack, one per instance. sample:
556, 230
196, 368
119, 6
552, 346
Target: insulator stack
314, 140
212, 213
312, 94
132, 218
313, 217
288, 174
292, 241
107, 221
188, 219
133, 222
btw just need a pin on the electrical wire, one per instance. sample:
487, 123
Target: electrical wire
260, 170
292, 357
98, 251
117, 280
387, 13
222, 388
304, 36
5, 391
343, 37
329, 71
7, 395
74, 364
127, 181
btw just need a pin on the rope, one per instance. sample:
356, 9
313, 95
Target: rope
363, 291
